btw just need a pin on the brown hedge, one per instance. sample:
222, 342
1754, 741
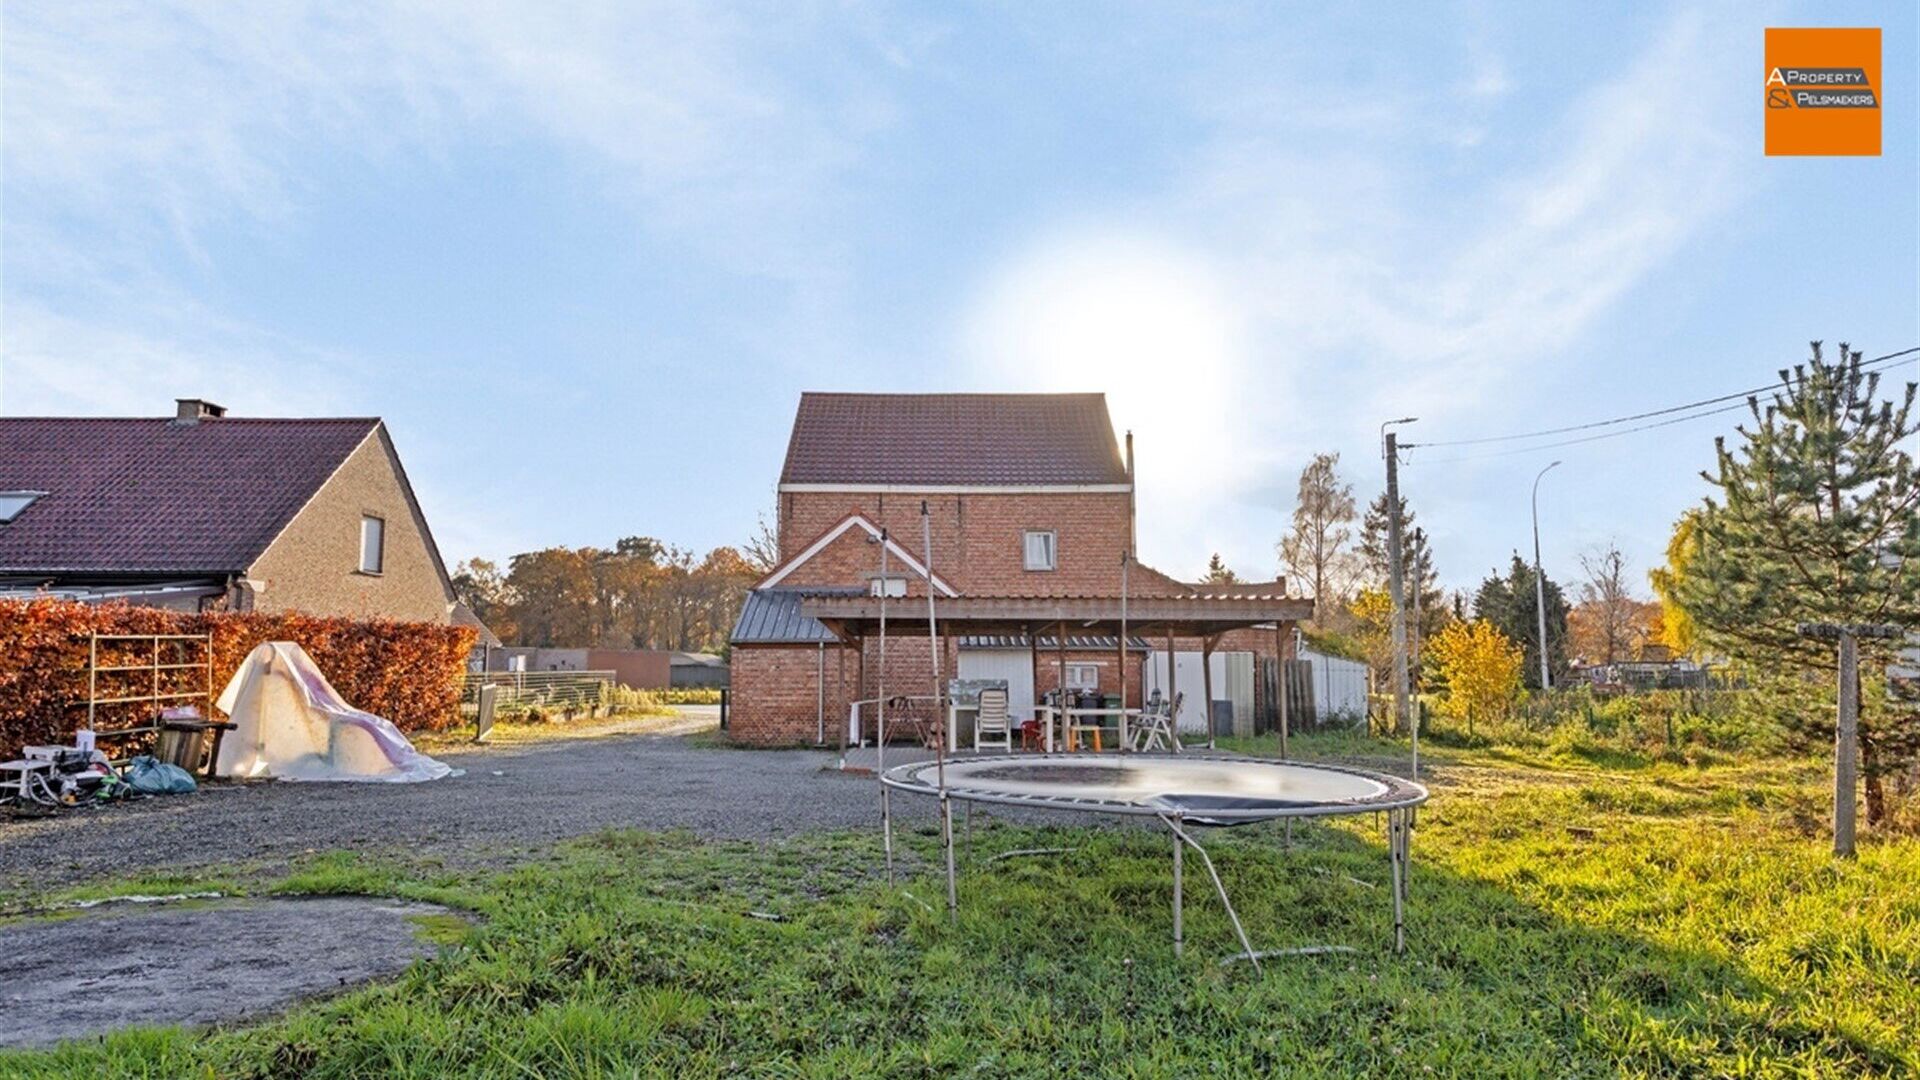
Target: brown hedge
407, 672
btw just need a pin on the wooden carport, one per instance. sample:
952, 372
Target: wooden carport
1202, 616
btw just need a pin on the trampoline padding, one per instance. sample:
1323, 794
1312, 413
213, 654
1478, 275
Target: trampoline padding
1217, 790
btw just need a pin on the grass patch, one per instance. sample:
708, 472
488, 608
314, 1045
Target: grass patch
1652, 918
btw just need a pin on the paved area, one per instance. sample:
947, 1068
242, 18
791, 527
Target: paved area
195, 963
511, 799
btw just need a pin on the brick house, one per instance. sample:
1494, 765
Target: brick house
1029, 509
204, 511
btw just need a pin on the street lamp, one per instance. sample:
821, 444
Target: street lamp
1540, 583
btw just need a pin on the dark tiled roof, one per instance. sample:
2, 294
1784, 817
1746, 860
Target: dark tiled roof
147, 496
953, 439
772, 617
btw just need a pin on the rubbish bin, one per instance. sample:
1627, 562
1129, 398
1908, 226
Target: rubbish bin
182, 742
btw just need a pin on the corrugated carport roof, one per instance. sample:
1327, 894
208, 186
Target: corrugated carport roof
772, 617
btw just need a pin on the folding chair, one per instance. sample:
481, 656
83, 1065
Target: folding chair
992, 724
1156, 728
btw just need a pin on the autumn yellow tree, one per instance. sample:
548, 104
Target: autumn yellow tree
1481, 667
1676, 626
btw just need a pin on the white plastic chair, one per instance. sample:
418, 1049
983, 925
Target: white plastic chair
991, 723
1156, 729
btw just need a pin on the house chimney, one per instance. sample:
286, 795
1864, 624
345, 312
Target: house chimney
192, 410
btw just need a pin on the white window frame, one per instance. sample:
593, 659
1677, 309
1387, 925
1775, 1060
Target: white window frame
894, 587
379, 546
1050, 550
1076, 676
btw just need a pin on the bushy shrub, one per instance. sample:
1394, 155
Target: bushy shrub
405, 671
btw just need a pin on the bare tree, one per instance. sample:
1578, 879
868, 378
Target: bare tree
762, 549
1616, 618
1316, 549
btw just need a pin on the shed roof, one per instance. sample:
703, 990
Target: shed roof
772, 616
953, 440
130, 496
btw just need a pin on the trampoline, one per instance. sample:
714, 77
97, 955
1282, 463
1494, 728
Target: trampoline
1180, 791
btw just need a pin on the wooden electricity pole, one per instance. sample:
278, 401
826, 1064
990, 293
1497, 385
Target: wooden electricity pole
1396, 586
1846, 734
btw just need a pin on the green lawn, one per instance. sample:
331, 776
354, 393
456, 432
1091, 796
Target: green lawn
1567, 918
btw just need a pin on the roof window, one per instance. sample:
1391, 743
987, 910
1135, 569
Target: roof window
13, 502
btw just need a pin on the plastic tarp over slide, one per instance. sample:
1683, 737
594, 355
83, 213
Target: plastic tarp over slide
290, 723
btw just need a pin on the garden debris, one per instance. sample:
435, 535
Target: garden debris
1304, 950
1030, 851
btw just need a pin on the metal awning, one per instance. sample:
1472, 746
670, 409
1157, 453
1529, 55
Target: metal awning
1047, 642
1196, 615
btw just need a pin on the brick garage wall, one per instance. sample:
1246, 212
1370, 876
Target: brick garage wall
774, 699
1046, 675
977, 538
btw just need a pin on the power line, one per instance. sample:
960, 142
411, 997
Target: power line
1688, 407
1735, 407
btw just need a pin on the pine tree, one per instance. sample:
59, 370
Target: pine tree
1218, 573
1417, 565
1510, 604
1817, 520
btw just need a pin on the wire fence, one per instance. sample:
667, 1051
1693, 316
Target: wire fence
539, 689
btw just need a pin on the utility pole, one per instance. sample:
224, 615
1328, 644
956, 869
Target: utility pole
1540, 583
1396, 584
1846, 732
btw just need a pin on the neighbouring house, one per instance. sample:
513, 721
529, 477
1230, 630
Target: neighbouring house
203, 511
637, 669
1654, 667
1029, 512
699, 671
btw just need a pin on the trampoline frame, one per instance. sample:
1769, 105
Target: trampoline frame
1399, 803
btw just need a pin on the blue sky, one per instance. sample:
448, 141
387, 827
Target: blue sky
584, 257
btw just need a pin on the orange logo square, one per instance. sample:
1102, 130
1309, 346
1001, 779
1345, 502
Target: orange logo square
1823, 91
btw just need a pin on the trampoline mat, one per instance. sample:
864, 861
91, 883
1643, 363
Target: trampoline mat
1239, 787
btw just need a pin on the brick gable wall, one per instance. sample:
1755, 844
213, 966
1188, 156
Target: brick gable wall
977, 538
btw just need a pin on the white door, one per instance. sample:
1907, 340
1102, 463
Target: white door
1193, 714
1013, 665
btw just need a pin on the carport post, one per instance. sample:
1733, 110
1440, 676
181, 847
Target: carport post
1126, 743
1206, 685
1060, 657
1280, 683
1173, 683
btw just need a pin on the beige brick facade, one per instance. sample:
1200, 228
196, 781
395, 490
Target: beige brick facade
313, 565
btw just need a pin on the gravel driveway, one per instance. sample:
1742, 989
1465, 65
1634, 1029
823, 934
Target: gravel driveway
511, 799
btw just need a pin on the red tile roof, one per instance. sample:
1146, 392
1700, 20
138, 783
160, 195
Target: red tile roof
953, 439
144, 496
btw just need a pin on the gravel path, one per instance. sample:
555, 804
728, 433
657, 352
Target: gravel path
510, 800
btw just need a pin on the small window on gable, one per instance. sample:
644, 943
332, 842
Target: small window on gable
1042, 550
373, 545
888, 586
12, 502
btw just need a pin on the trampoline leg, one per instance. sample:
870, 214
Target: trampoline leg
1179, 940
886, 831
946, 833
1397, 861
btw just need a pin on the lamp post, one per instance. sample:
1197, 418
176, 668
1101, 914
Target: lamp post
1540, 582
